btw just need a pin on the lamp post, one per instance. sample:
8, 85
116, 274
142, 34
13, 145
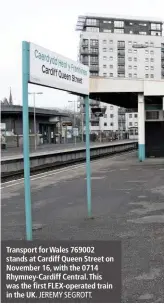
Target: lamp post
74, 118
34, 94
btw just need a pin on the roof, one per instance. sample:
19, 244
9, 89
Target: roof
82, 18
39, 111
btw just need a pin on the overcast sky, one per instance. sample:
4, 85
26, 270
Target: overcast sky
51, 24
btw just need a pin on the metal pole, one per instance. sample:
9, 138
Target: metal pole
34, 122
100, 129
25, 75
74, 124
82, 127
88, 165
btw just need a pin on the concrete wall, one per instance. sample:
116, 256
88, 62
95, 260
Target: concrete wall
45, 160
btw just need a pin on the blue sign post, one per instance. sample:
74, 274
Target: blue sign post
25, 80
36, 64
88, 163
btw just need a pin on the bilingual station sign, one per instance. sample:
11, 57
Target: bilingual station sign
50, 69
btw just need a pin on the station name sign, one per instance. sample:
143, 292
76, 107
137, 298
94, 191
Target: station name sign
56, 71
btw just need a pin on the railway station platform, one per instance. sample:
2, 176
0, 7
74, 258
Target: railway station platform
127, 205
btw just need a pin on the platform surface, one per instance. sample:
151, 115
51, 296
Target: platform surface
127, 205
16, 153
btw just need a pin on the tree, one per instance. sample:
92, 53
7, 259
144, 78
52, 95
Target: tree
5, 101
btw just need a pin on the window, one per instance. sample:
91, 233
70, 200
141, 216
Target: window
119, 31
104, 49
146, 76
94, 42
91, 22
135, 67
94, 50
111, 58
104, 41
105, 115
129, 67
121, 44
119, 23
105, 74
146, 43
111, 115
146, 59
135, 51
130, 75
92, 29
146, 52
130, 58
111, 124
110, 50
152, 115
155, 26
135, 115
130, 115
94, 123
143, 24
121, 74
135, 75
130, 42
136, 124
111, 66
94, 74
121, 66
152, 59
152, 68
111, 74
155, 33
94, 59
135, 58
104, 58
130, 124
129, 51
111, 107
146, 67
131, 23
107, 31
151, 43
104, 66
142, 33
152, 75
110, 41
107, 21
105, 124
152, 52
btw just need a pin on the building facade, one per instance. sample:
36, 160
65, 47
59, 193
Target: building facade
121, 47
48, 123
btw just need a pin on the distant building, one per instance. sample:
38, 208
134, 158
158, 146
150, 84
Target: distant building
107, 46
48, 122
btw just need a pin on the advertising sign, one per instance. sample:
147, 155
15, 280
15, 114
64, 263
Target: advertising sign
53, 70
69, 132
75, 132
